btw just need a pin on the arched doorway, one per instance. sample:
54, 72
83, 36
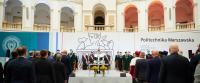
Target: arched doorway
156, 16
184, 14
67, 20
13, 15
99, 17
42, 17
131, 19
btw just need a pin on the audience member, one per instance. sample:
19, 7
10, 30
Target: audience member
153, 68
174, 68
44, 69
59, 67
20, 70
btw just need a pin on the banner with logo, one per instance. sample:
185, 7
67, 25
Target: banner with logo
32, 40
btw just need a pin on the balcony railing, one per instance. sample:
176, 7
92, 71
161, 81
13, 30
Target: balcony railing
185, 26
12, 26
66, 29
41, 27
156, 28
99, 28
135, 29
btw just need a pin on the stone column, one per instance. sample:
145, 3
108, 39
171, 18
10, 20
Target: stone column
143, 20
1, 14
54, 20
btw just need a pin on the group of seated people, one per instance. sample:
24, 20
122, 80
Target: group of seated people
39, 67
88, 59
164, 68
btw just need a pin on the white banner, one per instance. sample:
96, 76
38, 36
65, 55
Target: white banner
120, 41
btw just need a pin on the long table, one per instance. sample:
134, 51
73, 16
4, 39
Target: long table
111, 76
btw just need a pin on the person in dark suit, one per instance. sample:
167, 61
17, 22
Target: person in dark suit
14, 55
59, 67
174, 68
20, 70
193, 63
44, 69
153, 68
1, 73
140, 69
66, 61
85, 61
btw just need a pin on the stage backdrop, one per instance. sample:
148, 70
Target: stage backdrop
32, 40
119, 41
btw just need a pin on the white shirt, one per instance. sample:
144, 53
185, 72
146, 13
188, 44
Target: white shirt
133, 61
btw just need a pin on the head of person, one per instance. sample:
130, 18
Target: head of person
31, 53
120, 53
22, 51
174, 48
155, 53
37, 54
137, 53
64, 52
142, 55
125, 53
44, 54
58, 57
14, 54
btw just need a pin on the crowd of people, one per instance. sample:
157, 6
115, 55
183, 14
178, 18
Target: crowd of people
154, 67
40, 67
161, 67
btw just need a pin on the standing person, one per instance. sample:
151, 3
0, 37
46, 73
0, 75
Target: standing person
117, 60
85, 61
193, 63
197, 74
174, 68
132, 65
140, 68
66, 61
73, 61
50, 57
153, 68
120, 60
198, 50
91, 58
44, 69
107, 59
126, 62
1, 73
59, 67
14, 55
20, 70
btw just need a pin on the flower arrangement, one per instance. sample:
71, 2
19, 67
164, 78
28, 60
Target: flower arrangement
95, 68
103, 68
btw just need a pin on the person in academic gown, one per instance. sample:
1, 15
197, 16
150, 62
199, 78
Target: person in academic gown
132, 65
59, 67
91, 58
85, 61
44, 69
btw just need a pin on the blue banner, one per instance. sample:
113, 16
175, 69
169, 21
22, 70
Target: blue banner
32, 40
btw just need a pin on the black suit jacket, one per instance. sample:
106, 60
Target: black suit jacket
153, 70
44, 71
66, 61
20, 70
175, 69
140, 69
193, 63
60, 72
1, 73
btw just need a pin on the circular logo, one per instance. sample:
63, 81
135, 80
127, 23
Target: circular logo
10, 42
